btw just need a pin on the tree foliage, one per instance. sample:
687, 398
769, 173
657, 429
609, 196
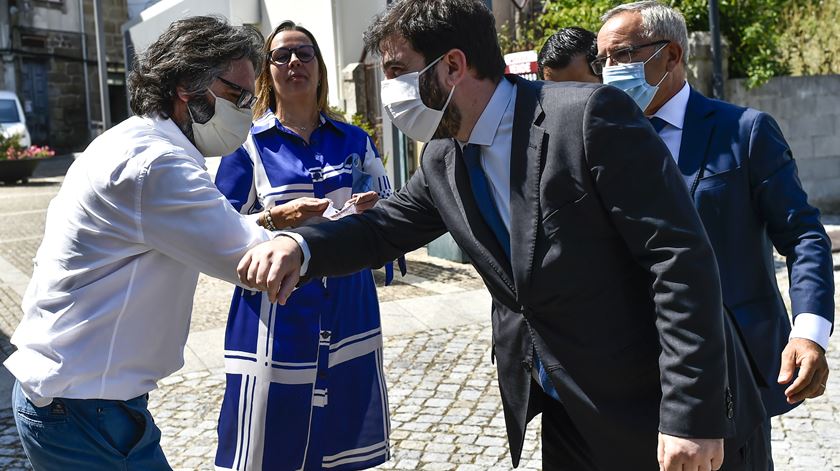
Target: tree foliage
760, 33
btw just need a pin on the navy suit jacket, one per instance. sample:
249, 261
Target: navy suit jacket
744, 183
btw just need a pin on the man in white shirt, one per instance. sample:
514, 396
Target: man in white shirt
742, 179
107, 312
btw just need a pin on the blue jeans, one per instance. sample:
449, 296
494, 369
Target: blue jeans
89, 434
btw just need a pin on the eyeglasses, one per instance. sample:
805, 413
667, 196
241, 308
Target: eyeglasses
282, 55
246, 99
622, 56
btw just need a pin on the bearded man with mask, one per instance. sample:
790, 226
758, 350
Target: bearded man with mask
606, 313
107, 312
743, 180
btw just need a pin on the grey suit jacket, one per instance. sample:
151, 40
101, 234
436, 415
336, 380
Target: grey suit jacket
611, 279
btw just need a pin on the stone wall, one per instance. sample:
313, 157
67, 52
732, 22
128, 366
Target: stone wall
700, 67
807, 109
808, 112
51, 34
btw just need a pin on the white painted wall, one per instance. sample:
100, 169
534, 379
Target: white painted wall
316, 16
353, 18
158, 17
338, 26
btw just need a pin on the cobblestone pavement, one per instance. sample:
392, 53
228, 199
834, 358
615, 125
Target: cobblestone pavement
445, 407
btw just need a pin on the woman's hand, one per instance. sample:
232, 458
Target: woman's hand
365, 201
296, 212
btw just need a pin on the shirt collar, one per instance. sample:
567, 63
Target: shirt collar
673, 111
488, 123
269, 121
177, 137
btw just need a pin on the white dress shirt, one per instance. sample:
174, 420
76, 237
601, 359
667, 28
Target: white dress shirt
494, 133
107, 312
806, 325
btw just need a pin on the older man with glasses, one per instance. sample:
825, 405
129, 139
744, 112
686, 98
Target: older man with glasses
744, 184
107, 312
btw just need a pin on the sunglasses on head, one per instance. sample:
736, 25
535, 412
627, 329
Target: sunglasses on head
282, 55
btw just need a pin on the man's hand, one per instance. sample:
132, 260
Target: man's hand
694, 454
809, 358
365, 201
298, 211
272, 266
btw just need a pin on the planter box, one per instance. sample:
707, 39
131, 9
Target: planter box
13, 171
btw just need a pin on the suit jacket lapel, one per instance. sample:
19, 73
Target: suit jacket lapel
484, 239
697, 133
526, 156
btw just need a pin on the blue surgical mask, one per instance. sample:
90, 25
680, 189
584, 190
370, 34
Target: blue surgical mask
631, 79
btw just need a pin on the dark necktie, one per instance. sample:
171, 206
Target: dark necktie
658, 123
483, 197
484, 200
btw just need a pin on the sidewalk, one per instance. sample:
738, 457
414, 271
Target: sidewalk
444, 399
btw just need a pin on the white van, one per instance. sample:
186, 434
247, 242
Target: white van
12, 119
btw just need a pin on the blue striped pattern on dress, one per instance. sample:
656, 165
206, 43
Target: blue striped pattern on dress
305, 386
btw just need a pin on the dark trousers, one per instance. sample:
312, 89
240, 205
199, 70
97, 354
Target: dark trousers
564, 448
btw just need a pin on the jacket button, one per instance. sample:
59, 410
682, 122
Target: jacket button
526, 366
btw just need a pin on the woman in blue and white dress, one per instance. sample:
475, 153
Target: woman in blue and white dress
305, 387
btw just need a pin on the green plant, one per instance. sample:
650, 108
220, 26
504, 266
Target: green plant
810, 40
361, 121
10, 149
751, 27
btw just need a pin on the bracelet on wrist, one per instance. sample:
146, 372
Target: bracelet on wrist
268, 221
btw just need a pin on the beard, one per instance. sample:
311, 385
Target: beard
201, 110
450, 123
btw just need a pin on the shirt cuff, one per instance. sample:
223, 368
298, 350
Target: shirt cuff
304, 247
812, 327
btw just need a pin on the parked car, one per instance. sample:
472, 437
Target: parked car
12, 119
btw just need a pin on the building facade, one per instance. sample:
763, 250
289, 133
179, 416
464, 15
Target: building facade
46, 49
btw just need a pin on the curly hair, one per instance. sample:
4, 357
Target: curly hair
191, 53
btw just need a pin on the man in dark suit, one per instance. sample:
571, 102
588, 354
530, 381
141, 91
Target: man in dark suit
742, 178
606, 314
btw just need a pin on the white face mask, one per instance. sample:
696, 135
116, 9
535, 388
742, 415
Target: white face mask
225, 131
402, 102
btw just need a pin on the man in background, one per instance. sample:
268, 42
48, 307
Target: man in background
743, 180
566, 55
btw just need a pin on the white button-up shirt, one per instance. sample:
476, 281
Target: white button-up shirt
107, 312
494, 133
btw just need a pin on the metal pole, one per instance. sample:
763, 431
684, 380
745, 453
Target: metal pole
717, 53
85, 65
103, 65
